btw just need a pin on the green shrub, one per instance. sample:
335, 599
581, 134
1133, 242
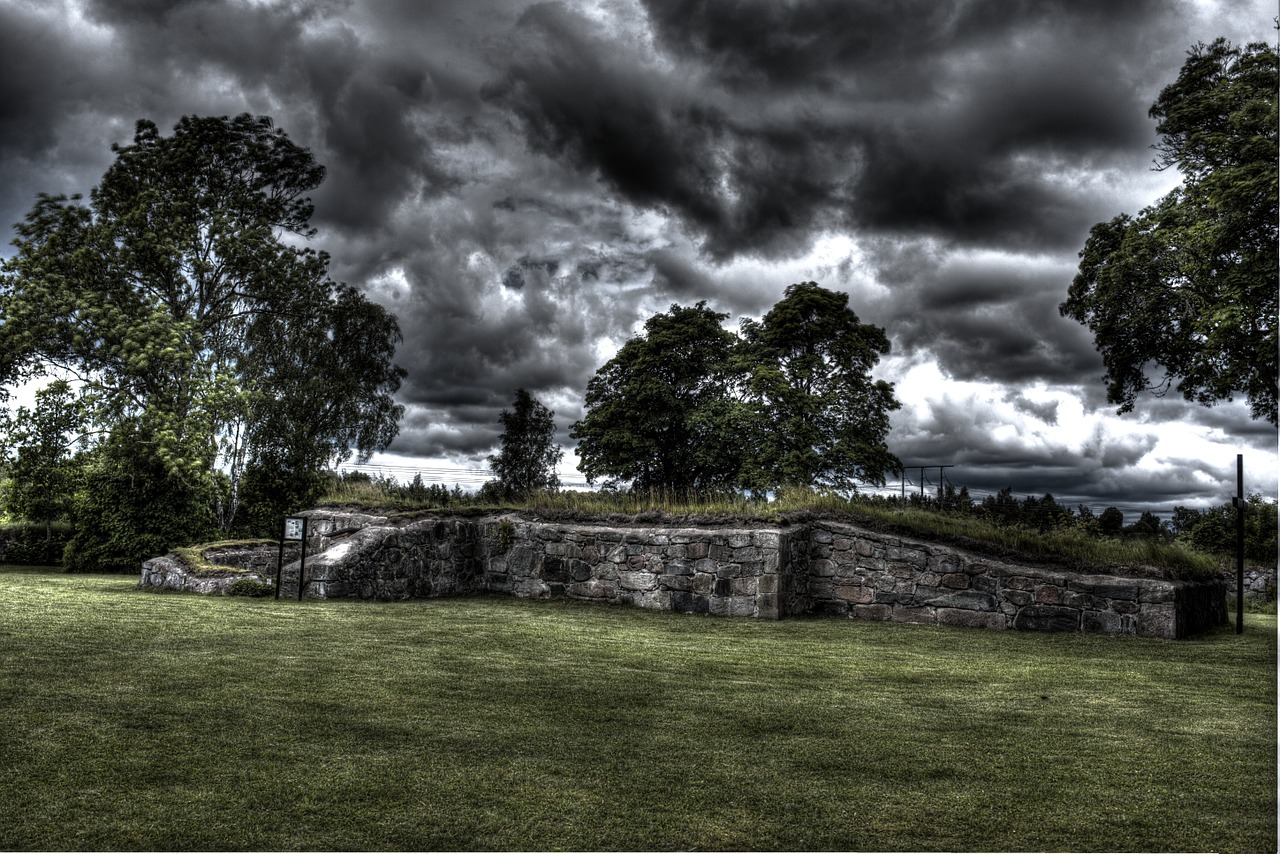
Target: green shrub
30, 544
251, 587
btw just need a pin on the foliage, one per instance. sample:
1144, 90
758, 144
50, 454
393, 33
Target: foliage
820, 419
528, 456
1189, 285
250, 587
1213, 530
204, 336
133, 507
44, 474
34, 544
660, 414
688, 407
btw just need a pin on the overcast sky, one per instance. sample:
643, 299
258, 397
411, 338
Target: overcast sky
523, 184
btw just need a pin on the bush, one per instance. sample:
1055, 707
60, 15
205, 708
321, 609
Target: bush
251, 587
30, 544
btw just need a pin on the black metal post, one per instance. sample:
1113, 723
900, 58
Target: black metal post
1240, 508
302, 559
284, 526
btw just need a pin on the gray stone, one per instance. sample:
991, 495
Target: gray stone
972, 619
1047, 618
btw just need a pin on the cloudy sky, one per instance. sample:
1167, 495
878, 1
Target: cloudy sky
524, 183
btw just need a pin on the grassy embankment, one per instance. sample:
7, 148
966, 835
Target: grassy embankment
139, 720
1067, 546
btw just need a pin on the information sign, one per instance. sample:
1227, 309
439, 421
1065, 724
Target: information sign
293, 527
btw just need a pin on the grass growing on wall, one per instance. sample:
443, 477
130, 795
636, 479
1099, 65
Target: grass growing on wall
164, 721
1070, 546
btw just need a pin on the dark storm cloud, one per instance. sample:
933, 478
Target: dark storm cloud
917, 118
523, 184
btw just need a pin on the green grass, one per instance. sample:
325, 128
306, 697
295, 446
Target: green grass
136, 720
1068, 546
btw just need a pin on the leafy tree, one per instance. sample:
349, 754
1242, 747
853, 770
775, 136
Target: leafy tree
660, 414
44, 473
823, 419
206, 337
1110, 522
527, 459
1214, 529
1189, 285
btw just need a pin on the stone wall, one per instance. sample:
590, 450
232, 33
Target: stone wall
819, 568
856, 573
256, 562
1259, 582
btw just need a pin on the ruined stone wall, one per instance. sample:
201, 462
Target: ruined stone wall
817, 568
733, 573
856, 573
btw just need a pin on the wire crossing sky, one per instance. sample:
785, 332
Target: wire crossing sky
523, 184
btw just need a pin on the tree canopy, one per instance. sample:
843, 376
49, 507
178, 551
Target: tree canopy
689, 406
810, 362
1189, 285
528, 454
200, 330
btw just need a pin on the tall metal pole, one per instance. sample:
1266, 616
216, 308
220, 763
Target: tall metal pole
1240, 508
280, 557
302, 559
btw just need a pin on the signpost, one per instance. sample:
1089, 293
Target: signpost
295, 528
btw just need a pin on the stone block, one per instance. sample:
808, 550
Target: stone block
768, 606
957, 580
744, 586
592, 590
856, 594
1017, 597
675, 582
1111, 588
943, 597
1157, 592
915, 558
696, 551
1107, 622
1158, 620
705, 566
863, 547
1048, 594
721, 554
678, 567
908, 614
767, 583
822, 568
1123, 606
768, 540
1047, 618
821, 535
871, 612
637, 580
972, 619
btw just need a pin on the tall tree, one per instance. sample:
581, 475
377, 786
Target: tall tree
44, 472
822, 420
1189, 285
660, 414
528, 454
183, 299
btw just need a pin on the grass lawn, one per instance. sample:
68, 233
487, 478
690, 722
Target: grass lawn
138, 720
